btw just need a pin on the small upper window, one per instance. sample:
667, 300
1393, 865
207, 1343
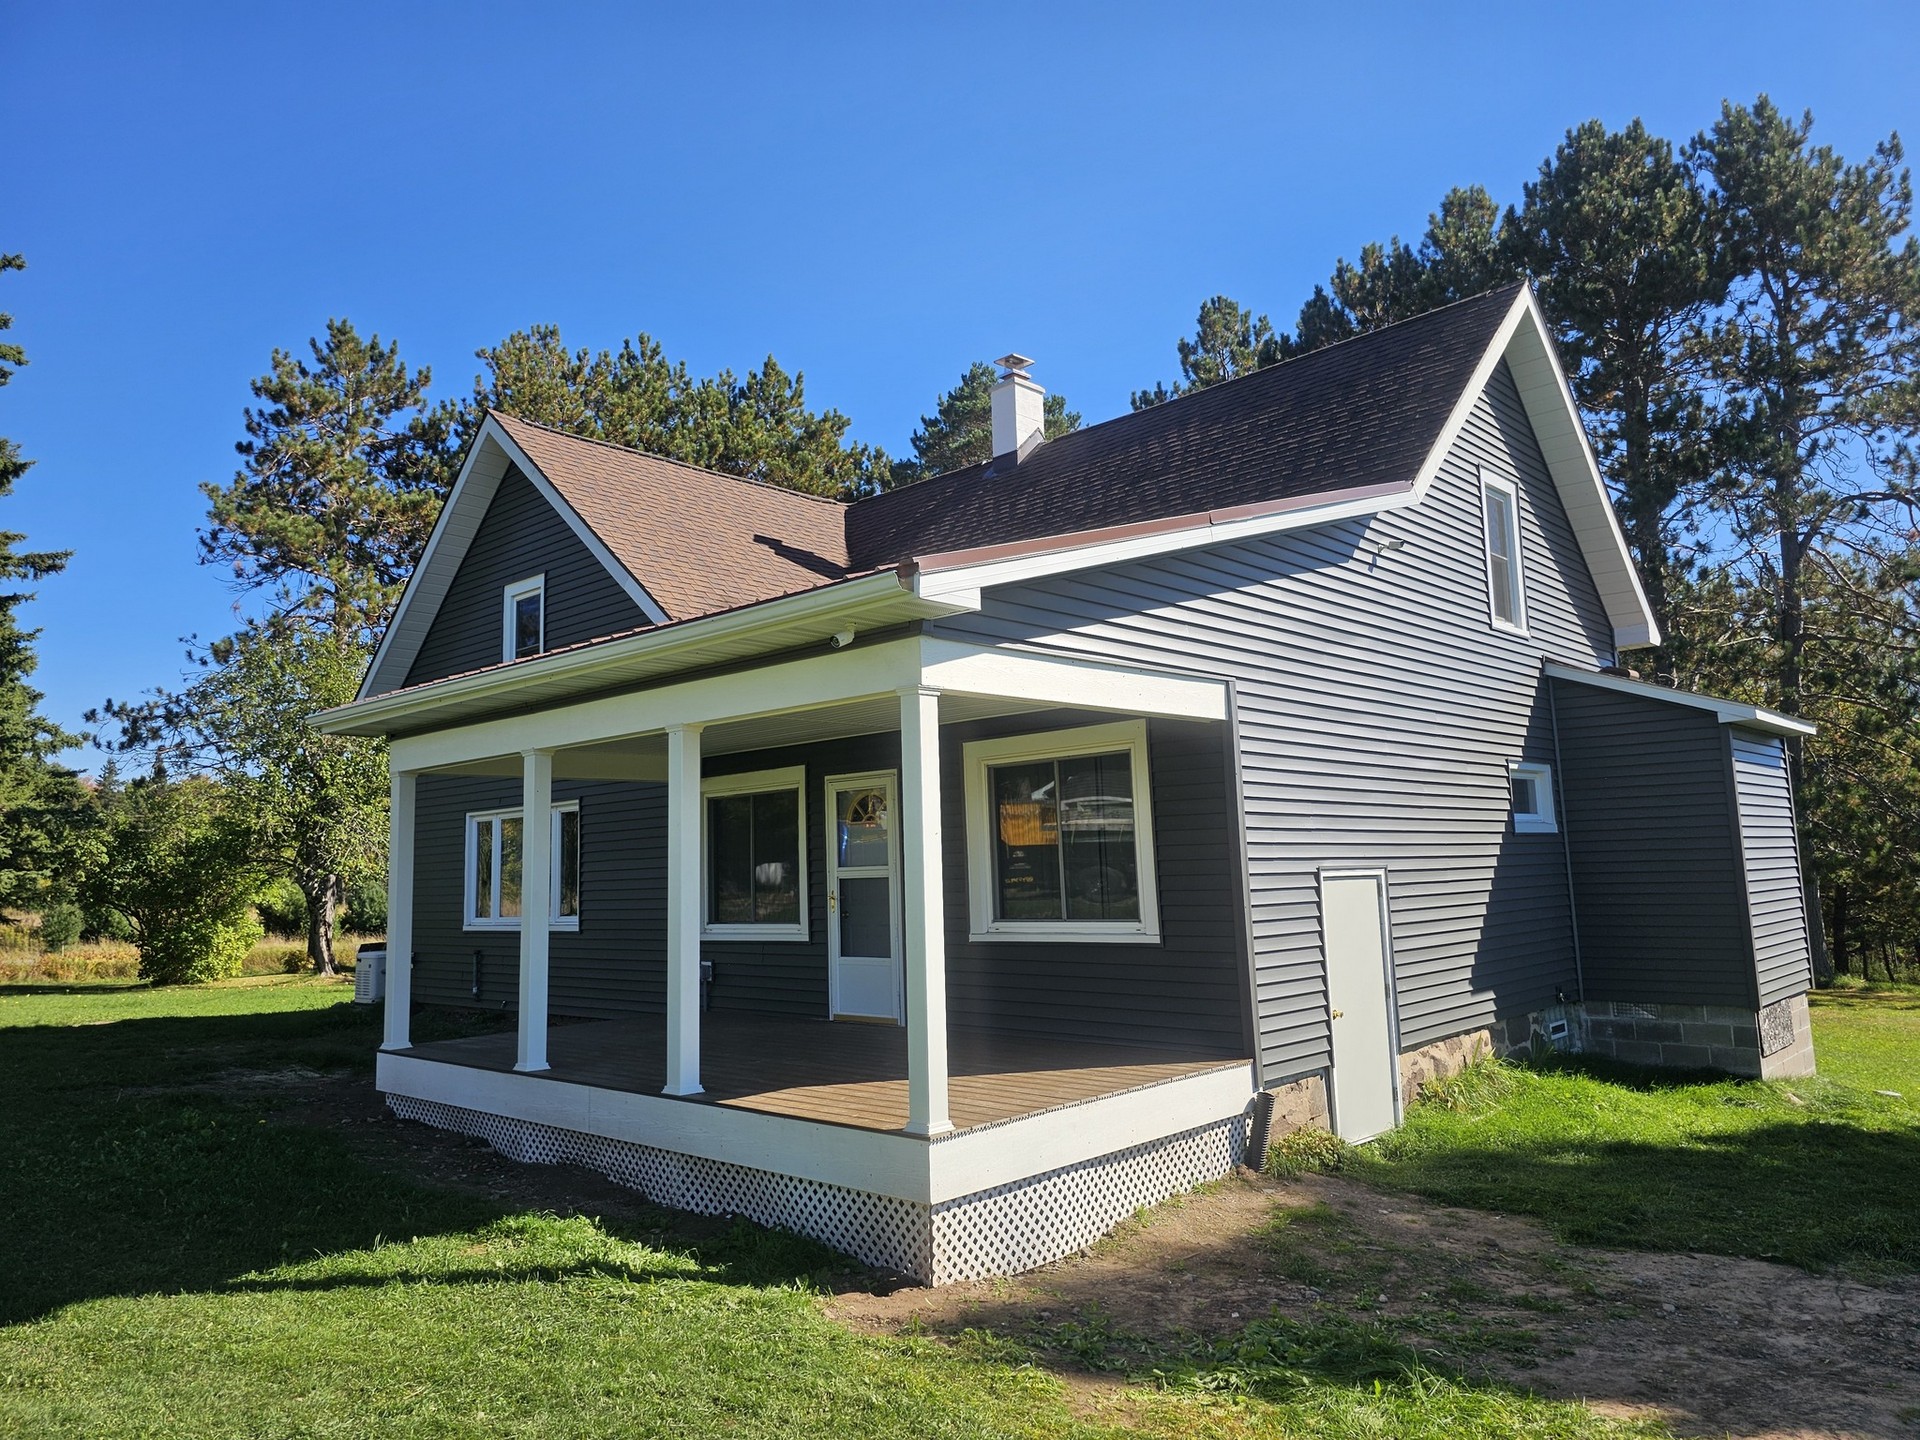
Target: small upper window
526, 618
755, 858
1506, 595
1059, 838
1532, 798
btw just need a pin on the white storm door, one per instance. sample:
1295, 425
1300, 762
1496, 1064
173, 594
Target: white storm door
1366, 1075
866, 979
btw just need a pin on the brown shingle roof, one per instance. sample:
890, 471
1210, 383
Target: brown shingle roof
698, 541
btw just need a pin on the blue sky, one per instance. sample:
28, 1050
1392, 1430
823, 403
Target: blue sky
875, 195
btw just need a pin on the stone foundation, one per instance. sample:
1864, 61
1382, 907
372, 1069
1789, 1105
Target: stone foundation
1538, 1033
1776, 1042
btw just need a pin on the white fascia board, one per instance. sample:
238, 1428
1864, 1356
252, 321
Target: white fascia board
1728, 712
950, 665
493, 451
962, 583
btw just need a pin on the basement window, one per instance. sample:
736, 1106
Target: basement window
525, 620
1506, 592
754, 861
1532, 785
494, 869
1060, 836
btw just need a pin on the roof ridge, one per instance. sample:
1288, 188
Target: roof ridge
1216, 386
556, 431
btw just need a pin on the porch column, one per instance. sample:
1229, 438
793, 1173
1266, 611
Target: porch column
536, 903
683, 910
399, 1000
925, 913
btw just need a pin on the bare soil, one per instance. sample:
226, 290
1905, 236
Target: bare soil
1707, 1344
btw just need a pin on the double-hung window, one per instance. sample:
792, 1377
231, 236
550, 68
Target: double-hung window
1506, 588
1060, 836
754, 854
524, 619
494, 870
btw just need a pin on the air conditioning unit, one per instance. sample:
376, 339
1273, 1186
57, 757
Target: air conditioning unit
370, 975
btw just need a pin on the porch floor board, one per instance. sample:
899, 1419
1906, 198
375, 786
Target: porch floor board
838, 1073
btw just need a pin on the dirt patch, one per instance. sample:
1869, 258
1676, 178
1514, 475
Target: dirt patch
1707, 1344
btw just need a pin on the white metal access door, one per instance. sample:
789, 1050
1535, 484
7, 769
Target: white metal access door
1365, 1098
866, 979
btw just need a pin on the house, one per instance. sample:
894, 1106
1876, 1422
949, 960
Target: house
950, 873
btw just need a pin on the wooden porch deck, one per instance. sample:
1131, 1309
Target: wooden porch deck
837, 1073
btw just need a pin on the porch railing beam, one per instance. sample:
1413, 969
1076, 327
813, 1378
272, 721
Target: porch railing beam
925, 913
683, 910
399, 1001
536, 903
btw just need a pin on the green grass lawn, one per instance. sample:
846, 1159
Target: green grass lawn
186, 1254
1819, 1172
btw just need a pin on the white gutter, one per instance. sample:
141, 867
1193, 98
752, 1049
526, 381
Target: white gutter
1729, 712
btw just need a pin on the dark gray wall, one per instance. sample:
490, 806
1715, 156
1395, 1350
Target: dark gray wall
1770, 853
1186, 991
1656, 871
1378, 711
521, 536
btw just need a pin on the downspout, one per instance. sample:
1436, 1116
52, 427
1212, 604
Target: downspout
1566, 839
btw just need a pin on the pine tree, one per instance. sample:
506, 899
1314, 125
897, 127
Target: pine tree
1228, 340
42, 804
1619, 235
959, 433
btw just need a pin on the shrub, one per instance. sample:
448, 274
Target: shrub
366, 908
282, 908
1307, 1151
60, 926
199, 948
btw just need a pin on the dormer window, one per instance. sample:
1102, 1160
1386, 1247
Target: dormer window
526, 618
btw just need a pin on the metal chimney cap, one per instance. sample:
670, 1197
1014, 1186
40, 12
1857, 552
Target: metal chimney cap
1014, 364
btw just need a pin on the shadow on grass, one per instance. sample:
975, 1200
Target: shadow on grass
144, 1157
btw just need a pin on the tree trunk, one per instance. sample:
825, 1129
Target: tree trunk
323, 895
1840, 962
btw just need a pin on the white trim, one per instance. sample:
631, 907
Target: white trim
1729, 712
493, 451
510, 597
1490, 485
470, 921
1540, 820
979, 755
1523, 340
950, 665
754, 782
402, 792
891, 872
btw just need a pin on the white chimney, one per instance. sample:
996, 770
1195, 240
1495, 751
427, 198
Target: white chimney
1019, 409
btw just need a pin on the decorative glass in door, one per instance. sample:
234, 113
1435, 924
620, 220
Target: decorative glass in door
862, 926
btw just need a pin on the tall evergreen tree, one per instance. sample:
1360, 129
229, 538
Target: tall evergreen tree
41, 802
959, 433
343, 470
1228, 340
1619, 236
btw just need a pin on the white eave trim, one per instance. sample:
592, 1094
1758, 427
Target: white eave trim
492, 453
1523, 341
830, 606
1729, 712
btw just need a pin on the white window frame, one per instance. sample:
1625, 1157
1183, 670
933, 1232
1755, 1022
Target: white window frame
555, 920
754, 782
1541, 820
1490, 483
979, 755
510, 597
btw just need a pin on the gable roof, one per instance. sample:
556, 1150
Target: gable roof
1352, 429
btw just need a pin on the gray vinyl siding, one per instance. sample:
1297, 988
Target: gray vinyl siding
1656, 870
1378, 710
521, 536
1770, 852
1185, 991
614, 964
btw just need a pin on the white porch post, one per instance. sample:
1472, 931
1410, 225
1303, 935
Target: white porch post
683, 910
536, 903
399, 1000
925, 915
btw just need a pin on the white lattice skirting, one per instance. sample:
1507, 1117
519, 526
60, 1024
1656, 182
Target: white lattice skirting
1002, 1231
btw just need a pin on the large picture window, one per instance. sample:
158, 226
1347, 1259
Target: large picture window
494, 850
1060, 836
754, 854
